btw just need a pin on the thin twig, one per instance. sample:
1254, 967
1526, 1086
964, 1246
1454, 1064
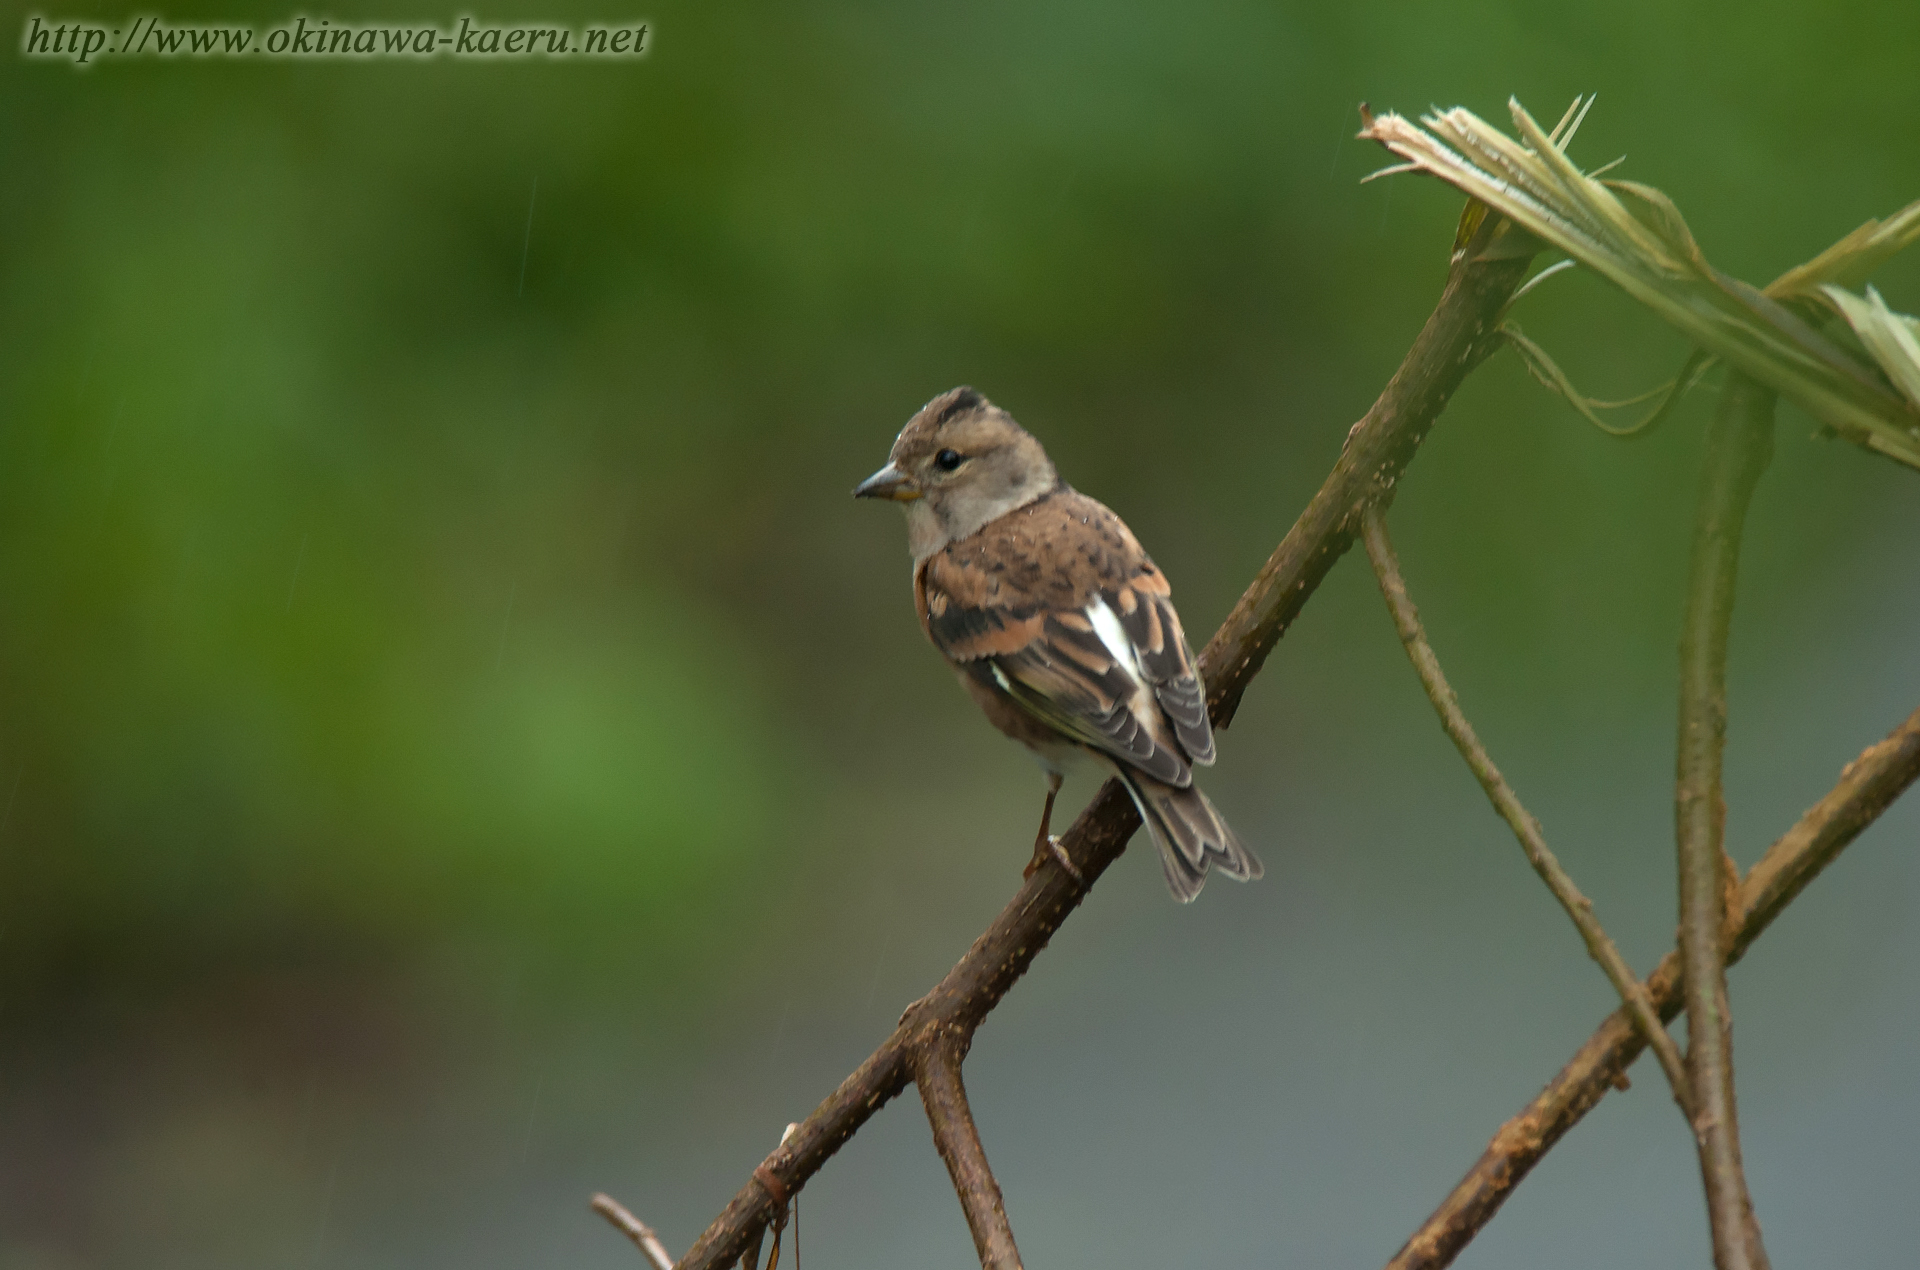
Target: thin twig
958, 1141
633, 1228
1488, 263
1739, 446
1867, 787
1526, 828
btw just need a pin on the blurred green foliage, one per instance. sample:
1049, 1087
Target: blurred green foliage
421, 481
423, 486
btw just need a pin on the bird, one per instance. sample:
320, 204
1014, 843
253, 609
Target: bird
1059, 625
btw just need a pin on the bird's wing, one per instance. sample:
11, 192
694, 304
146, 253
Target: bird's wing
1145, 609
1056, 606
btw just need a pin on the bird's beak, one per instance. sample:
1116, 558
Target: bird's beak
888, 482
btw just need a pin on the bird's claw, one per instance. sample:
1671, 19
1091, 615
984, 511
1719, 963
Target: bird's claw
1060, 857
1065, 861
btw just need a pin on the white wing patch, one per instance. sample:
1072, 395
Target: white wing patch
1107, 626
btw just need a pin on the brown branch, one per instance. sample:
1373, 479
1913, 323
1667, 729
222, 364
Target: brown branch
1489, 259
1866, 788
937, 1073
633, 1228
1488, 263
1739, 446
750, 1259
1406, 618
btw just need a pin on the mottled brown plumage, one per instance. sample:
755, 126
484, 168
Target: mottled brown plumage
1057, 622
1014, 597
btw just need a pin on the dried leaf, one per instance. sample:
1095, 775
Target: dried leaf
1548, 373
1889, 336
1643, 246
1849, 262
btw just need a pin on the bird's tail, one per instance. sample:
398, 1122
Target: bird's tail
1190, 834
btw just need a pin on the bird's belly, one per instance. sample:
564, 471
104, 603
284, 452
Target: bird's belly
1058, 755
1053, 751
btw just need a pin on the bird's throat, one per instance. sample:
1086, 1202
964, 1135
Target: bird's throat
925, 533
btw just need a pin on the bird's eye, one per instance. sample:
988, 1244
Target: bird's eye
947, 460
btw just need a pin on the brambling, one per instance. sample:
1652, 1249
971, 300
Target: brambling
1057, 624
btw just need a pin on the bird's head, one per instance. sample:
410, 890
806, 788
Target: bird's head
958, 464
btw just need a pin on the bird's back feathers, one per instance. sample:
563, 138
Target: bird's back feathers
1059, 606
